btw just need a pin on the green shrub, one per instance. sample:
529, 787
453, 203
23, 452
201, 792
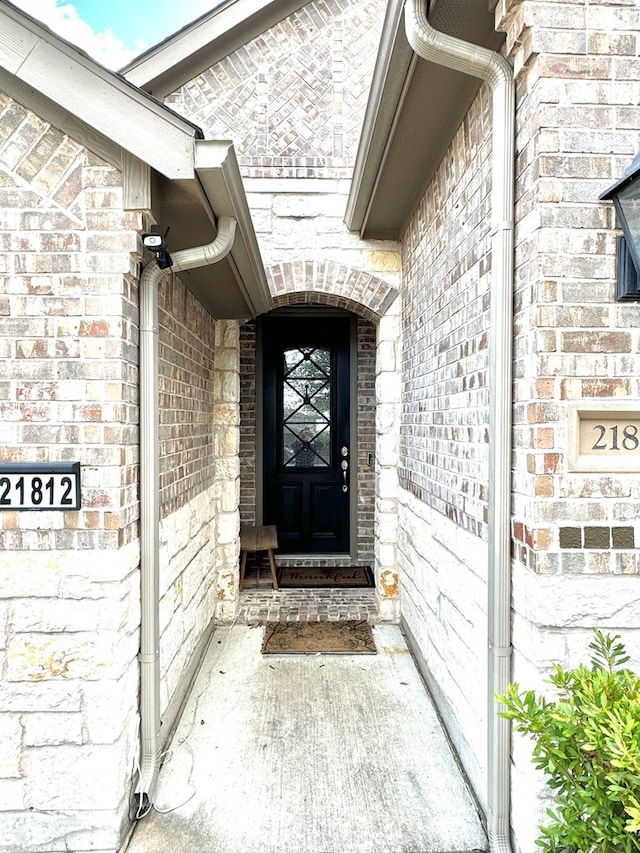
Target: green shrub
587, 743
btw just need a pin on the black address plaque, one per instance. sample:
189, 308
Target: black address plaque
40, 486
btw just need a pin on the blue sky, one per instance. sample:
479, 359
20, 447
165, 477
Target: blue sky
114, 31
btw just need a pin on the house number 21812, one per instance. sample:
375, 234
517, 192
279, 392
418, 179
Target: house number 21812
616, 437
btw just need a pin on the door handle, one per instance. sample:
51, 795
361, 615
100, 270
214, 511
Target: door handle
345, 466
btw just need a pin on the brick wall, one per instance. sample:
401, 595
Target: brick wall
366, 436
443, 431
186, 384
69, 372
248, 424
574, 342
575, 534
186, 394
68, 580
297, 116
443, 447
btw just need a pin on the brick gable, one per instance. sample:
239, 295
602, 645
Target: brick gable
292, 99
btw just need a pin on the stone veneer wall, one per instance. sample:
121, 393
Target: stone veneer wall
226, 430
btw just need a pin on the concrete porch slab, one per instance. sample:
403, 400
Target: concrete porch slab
318, 754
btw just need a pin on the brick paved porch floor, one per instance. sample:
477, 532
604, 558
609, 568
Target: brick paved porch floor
260, 603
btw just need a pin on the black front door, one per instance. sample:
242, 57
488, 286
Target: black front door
306, 432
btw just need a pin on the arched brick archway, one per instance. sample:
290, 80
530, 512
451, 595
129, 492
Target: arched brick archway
371, 299
328, 283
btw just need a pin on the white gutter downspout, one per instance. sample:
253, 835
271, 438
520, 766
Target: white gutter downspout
491, 67
149, 655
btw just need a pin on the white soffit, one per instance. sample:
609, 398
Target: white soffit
415, 108
167, 66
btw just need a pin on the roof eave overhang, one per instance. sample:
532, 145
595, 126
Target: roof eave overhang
414, 110
95, 96
217, 171
234, 287
167, 66
197, 181
391, 75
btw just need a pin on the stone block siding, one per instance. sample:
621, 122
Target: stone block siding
445, 303
292, 99
442, 573
187, 586
387, 425
69, 583
226, 430
578, 128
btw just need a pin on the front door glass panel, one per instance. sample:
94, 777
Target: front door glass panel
306, 410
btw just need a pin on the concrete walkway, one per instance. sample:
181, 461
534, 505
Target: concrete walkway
309, 753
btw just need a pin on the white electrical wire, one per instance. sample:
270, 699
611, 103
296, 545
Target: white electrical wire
166, 756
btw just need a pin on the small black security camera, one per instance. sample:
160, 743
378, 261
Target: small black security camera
157, 244
154, 242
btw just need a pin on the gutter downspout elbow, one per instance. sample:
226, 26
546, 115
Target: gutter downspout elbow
493, 68
149, 655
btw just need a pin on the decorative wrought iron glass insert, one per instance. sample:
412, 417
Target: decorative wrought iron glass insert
306, 415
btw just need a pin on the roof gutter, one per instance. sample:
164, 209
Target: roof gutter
491, 67
149, 656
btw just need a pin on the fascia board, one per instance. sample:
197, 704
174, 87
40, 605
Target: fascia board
170, 64
59, 118
218, 172
390, 77
104, 101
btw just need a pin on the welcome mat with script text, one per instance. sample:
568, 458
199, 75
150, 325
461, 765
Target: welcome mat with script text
325, 576
312, 638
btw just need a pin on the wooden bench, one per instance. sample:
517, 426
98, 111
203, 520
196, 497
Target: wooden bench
258, 539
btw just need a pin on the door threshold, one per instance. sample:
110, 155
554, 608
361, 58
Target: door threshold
314, 557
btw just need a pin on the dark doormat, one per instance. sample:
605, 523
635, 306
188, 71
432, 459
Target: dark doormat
312, 638
292, 577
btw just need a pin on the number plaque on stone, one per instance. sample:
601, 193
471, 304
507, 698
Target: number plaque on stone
604, 436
